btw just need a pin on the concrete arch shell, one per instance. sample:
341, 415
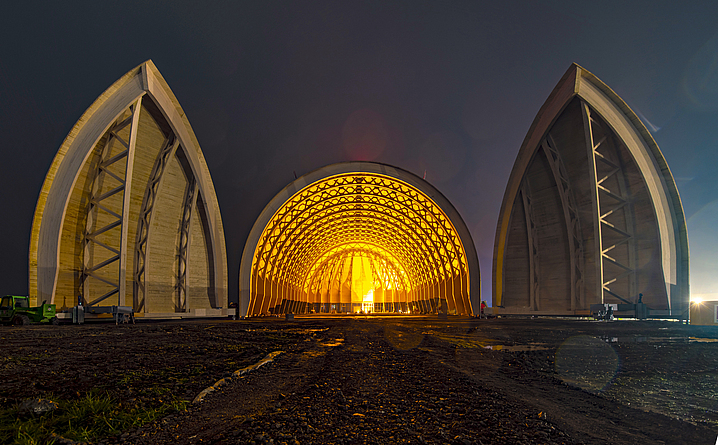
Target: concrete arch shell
128, 213
591, 213
316, 227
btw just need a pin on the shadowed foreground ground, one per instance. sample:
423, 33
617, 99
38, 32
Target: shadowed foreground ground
382, 380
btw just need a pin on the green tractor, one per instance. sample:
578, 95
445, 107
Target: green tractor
17, 311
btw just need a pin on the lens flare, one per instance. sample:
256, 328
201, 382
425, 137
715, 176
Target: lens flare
587, 362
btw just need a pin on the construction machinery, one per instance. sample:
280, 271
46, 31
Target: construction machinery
16, 310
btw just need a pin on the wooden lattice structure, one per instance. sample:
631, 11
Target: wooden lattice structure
357, 237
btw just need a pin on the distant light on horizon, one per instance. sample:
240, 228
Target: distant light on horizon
703, 245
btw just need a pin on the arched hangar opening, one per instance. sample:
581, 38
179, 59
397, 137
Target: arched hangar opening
359, 237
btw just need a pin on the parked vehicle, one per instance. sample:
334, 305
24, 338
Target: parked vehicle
16, 310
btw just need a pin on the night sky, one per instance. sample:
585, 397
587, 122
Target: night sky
273, 88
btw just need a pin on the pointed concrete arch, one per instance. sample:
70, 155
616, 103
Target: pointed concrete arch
128, 214
591, 213
323, 221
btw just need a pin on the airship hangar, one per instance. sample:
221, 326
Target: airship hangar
128, 217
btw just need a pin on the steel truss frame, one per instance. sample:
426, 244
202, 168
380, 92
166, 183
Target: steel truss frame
190, 200
166, 152
616, 213
532, 235
573, 227
358, 208
571, 218
107, 170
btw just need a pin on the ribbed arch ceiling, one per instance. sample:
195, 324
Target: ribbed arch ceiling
363, 223
391, 276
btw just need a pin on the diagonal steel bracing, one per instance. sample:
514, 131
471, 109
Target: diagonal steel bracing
531, 232
143, 226
190, 200
616, 213
571, 218
104, 251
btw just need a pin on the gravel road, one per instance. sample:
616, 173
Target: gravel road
389, 380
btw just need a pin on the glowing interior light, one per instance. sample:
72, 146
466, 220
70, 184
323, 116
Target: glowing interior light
358, 242
696, 300
368, 303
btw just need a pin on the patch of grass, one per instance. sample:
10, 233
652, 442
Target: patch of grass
140, 379
93, 416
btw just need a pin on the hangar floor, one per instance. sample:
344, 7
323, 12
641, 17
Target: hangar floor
376, 380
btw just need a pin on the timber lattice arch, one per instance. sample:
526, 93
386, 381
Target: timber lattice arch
359, 237
128, 214
591, 213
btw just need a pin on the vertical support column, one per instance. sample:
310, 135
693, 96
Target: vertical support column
263, 304
126, 199
270, 296
598, 256
534, 276
190, 200
626, 205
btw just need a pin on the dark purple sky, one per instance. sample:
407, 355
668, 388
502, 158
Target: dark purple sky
276, 87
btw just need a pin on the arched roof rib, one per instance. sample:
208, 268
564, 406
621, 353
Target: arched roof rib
405, 199
390, 277
362, 203
412, 239
321, 228
346, 234
430, 232
329, 236
375, 235
342, 250
427, 249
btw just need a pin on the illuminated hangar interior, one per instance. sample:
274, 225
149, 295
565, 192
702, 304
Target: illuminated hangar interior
591, 212
359, 237
127, 215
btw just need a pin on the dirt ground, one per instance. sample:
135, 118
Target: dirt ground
384, 380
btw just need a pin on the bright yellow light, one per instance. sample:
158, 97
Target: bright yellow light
696, 300
368, 303
372, 265
369, 297
358, 241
